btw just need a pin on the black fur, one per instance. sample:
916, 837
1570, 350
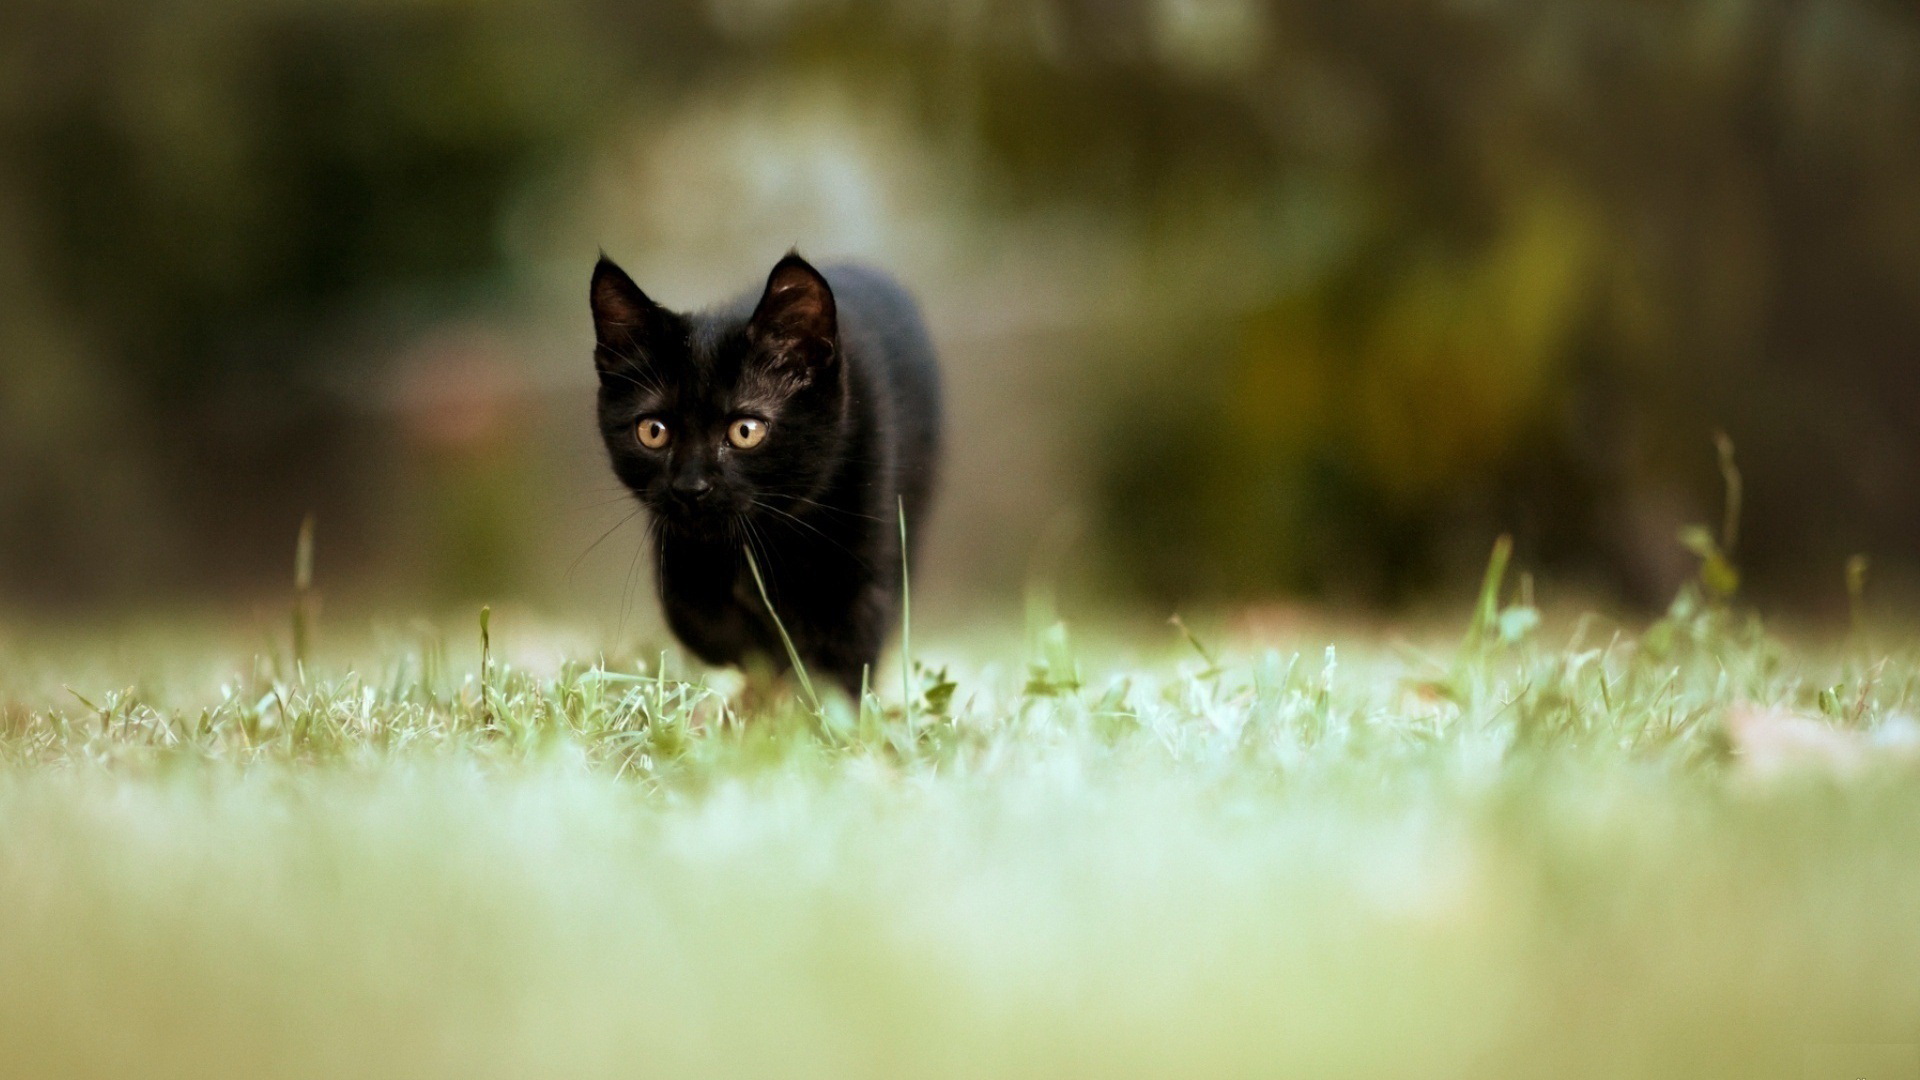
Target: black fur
839, 367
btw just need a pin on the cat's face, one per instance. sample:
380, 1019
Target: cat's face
710, 419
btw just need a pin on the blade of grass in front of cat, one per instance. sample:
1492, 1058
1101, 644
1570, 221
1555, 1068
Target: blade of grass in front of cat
906, 621
793, 654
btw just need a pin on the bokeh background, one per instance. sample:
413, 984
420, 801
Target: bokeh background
1238, 300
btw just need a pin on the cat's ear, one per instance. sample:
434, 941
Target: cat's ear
623, 316
796, 323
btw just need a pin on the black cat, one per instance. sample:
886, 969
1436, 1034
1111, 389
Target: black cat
795, 422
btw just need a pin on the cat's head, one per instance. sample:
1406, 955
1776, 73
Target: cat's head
712, 418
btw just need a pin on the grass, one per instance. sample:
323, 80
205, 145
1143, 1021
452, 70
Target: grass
1529, 853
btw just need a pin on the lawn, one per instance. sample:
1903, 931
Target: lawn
1577, 849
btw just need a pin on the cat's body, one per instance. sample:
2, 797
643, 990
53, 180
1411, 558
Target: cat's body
797, 420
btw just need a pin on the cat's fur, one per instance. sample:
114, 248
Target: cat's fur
839, 366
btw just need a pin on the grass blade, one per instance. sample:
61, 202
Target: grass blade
793, 654
906, 620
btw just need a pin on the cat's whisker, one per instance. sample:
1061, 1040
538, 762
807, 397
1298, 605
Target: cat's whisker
635, 363
817, 530
651, 540
601, 539
624, 496
623, 375
818, 505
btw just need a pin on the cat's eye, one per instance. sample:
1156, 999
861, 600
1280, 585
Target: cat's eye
746, 433
654, 433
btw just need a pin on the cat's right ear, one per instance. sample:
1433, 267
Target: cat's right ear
623, 316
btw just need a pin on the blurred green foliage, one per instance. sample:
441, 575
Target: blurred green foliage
1572, 239
1391, 277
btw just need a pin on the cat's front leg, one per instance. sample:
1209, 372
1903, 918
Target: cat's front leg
697, 596
716, 633
846, 647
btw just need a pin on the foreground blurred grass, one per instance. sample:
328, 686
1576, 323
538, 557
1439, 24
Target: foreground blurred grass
1524, 859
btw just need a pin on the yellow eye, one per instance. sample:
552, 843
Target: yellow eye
653, 433
746, 432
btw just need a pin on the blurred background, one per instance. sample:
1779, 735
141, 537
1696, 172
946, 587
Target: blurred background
1239, 301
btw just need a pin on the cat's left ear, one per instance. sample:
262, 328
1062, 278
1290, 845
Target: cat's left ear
796, 323
623, 316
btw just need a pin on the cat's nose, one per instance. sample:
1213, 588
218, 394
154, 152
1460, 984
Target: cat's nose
691, 489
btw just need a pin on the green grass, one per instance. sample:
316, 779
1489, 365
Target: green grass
1532, 853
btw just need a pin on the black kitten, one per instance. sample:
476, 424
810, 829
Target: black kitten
795, 421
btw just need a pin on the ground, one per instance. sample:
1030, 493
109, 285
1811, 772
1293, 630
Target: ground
1584, 849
